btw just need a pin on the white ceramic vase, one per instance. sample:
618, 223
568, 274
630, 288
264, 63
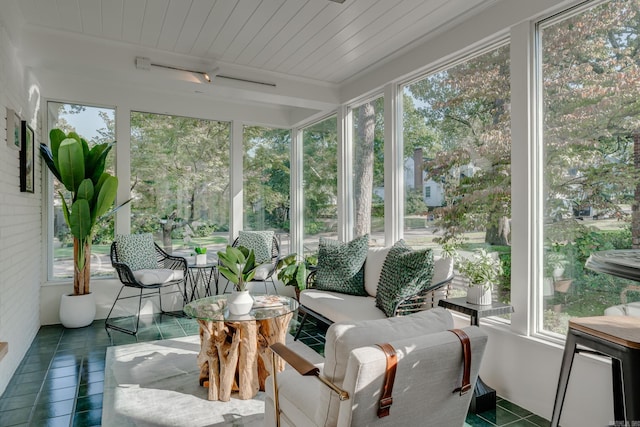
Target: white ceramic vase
240, 303
77, 311
479, 295
201, 259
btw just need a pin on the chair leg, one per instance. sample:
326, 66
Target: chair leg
563, 380
304, 319
618, 392
631, 375
134, 331
273, 283
106, 321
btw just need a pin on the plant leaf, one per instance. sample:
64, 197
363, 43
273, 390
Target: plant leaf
56, 136
80, 219
46, 154
85, 190
71, 164
106, 196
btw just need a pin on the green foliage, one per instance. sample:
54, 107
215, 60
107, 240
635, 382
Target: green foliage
200, 250
293, 270
414, 203
238, 265
482, 269
81, 170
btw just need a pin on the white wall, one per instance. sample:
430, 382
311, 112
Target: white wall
20, 218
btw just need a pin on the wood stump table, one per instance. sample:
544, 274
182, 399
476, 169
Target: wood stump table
234, 350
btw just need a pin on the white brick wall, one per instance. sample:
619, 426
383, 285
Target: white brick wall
21, 236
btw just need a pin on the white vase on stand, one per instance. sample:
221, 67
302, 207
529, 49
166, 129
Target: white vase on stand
240, 303
77, 311
201, 259
479, 295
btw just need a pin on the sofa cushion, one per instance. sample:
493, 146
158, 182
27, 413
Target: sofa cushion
373, 268
260, 241
156, 276
340, 265
343, 337
137, 251
339, 307
630, 309
262, 271
405, 272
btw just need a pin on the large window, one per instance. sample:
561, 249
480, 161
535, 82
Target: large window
96, 125
180, 181
591, 152
368, 170
267, 179
457, 143
320, 182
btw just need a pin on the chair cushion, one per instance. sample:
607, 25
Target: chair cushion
373, 268
157, 276
340, 265
339, 307
262, 271
343, 337
260, 241
405, 272
137, 251
630, 309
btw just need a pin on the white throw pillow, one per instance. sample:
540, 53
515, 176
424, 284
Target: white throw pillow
373, 268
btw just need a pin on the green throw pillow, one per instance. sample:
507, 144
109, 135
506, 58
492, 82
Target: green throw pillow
340, 265
405, 272
260, 241
137, 251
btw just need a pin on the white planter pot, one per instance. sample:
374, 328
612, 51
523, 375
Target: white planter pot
77, 311
240, 303
479, 295
201, 259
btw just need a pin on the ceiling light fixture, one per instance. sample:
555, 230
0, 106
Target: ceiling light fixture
337, 1
143, 63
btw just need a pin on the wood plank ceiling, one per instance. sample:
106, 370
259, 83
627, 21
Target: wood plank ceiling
313, 39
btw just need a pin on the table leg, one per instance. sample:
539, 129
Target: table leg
247, 364
271, 331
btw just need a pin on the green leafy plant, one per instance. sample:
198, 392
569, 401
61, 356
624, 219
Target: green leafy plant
200, 250
482, 269
238, 266
93, 191
293, 269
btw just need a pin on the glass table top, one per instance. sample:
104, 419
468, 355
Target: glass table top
214, 308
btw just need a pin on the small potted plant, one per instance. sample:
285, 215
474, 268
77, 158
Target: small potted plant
238, 265
483, 271
293, 270
201, 255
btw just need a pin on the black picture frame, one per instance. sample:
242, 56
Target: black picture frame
27, 169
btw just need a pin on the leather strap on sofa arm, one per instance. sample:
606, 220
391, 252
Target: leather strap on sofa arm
466, 354
384, 404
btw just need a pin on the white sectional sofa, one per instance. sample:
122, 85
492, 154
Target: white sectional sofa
331, 307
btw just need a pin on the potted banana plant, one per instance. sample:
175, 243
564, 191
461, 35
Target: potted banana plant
91, 194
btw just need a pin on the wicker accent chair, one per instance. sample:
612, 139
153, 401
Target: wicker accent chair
265, 271
171, 272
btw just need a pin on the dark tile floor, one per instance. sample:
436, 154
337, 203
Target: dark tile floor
60, 380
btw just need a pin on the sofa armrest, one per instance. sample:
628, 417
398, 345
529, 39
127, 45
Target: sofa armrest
303, 366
